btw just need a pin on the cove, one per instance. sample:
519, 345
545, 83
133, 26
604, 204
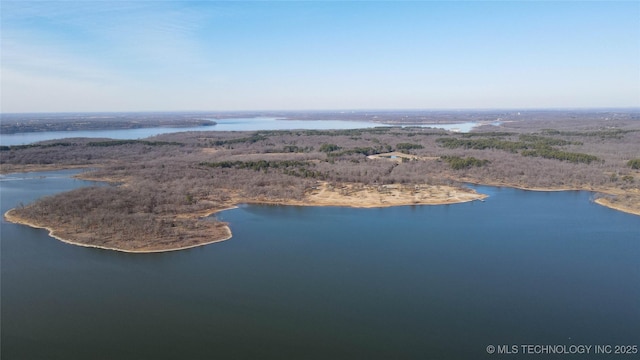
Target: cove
407, 282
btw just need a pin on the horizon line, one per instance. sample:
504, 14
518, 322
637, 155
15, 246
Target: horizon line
600, 108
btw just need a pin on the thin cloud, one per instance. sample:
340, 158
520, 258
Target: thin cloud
120, 55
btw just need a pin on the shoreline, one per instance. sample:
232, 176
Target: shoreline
9, 216
368, 196
458, 197
606, 203
381, 206
20, 221
344, 195
600, 201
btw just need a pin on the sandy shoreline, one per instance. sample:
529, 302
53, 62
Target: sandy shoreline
607, 203
345, 195
349, 195
367, 196
601, 201
327, 201
9, 216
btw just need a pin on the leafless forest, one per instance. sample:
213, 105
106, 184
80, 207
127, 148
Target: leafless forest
158, 181
25, 123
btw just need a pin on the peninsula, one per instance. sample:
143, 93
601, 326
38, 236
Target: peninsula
166, 187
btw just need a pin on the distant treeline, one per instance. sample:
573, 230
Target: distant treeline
43, 124
458, 163
549, 153
604, 134
408, 146
250, 140
29, 146
528, 144
265, 134
334, 150
287, 167
106, 143
132, 142
366, 151
482, 144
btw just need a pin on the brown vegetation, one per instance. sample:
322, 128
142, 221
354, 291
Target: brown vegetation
20, 123
169, 181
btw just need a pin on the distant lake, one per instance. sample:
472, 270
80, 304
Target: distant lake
414, 282
246, 124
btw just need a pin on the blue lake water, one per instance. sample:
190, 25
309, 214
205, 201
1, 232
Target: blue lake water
246, 124
414, 282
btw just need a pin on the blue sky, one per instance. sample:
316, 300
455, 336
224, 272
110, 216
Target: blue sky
304, 55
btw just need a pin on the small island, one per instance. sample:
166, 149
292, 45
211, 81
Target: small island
165, 189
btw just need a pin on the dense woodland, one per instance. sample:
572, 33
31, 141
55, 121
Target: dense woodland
159, 179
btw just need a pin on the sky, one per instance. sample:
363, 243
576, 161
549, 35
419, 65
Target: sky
79, 56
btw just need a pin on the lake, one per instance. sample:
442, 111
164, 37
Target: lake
413, 282
242, 124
